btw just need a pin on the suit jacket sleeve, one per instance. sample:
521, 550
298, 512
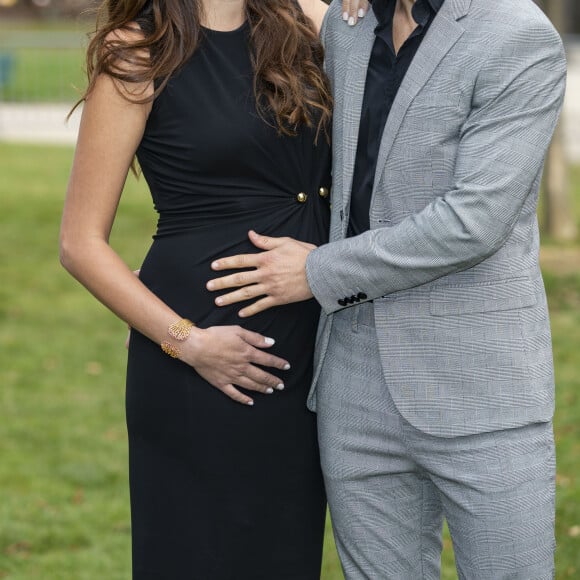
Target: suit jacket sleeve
515, 106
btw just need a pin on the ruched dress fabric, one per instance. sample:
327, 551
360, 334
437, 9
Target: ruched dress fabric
220, 490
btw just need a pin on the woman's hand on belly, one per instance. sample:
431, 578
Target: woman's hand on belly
226, 357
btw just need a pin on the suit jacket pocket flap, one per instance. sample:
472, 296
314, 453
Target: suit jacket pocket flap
482, 297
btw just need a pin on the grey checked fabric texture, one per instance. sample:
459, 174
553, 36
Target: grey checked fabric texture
451, 260
389, 484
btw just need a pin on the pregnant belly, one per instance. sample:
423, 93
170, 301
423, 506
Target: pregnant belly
178, 267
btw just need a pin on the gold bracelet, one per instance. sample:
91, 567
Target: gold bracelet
181, 329
171, 350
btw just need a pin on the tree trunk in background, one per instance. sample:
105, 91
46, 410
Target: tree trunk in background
559, 221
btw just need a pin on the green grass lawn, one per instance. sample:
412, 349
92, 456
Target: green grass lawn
64, 506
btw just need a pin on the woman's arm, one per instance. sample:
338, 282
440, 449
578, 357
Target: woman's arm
111, 130
315, 10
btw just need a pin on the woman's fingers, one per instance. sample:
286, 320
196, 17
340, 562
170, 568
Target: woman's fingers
231, 356
253, 379
269, 360
352, 10
260, 357
235, 395
256, 379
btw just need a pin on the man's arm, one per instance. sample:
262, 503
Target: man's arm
500, 155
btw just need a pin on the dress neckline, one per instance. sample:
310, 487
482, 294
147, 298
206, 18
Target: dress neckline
237, 30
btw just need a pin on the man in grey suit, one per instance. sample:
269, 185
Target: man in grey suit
433, 370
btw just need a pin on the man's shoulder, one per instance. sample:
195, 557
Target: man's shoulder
338, 37
334, 10
508, 32
509, 15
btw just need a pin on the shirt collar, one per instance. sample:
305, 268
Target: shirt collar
422, 9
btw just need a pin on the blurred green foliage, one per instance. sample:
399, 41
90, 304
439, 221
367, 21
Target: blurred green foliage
44, 75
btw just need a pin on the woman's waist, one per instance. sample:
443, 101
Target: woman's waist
179, 279
279, 217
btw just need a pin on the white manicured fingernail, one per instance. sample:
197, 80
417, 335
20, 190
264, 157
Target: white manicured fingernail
287, 367
280, 387
270, 391
351, 21
345, 16
269, 341
251, 403
361, 13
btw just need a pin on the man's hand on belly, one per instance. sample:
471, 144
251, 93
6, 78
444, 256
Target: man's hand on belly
279, 275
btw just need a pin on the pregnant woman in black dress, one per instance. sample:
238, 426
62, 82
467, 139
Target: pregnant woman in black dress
226, 108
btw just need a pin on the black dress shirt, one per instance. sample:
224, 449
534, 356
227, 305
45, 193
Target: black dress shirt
385, 74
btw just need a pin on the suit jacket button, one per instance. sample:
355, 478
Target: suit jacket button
301, 197
342, 302
323, 192
362, 296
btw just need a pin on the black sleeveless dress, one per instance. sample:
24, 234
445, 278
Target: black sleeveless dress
220, 490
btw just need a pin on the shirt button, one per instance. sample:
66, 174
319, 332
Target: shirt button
323, 192
301, 197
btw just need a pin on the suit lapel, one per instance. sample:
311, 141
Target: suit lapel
442, 35
354, 87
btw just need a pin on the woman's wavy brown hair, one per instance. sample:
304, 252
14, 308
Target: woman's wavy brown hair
287, 55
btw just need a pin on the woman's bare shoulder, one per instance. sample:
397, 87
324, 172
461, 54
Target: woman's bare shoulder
128, 35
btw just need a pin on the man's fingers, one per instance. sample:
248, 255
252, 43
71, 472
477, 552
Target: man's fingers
245, 293
233, 280
236, 262
264, 242
234, 394
248, 260
258, 306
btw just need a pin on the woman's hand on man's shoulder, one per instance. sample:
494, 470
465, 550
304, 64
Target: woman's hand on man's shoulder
352, 10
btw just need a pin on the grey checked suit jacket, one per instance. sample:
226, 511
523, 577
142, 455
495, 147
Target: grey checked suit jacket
451, 259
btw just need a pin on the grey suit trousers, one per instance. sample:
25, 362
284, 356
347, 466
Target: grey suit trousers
390, 485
